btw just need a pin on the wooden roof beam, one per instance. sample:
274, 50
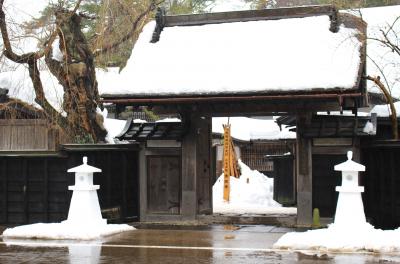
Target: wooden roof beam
243, 16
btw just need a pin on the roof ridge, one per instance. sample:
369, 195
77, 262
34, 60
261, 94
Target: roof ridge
163, 20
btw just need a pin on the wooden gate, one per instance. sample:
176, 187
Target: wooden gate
163, 184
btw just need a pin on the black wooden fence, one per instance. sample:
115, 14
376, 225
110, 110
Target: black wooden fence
34, 186
382, 183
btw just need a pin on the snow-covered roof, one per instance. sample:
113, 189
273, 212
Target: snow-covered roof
263, 56
250, 129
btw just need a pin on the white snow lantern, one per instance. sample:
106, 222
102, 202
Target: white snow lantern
350, 208
84, 208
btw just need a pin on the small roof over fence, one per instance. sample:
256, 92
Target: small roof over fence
244, 55
144, 131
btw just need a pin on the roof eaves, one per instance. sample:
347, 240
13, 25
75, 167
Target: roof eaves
173, 99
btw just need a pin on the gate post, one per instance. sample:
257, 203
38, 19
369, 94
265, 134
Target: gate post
303, 172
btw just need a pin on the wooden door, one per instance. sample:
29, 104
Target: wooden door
163, 184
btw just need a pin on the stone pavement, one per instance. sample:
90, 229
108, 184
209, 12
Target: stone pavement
177, 244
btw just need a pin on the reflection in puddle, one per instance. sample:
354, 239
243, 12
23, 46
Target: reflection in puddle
87, 252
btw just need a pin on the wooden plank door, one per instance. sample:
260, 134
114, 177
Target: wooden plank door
163, 184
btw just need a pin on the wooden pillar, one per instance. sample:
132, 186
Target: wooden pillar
142, 184
304, 173
196, 173
189, 170
204, 176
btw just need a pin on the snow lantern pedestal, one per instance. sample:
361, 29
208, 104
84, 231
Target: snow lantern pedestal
350, 208
85, 207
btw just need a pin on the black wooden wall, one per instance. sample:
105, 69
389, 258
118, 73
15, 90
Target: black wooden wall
325, 180
382, 184
284, 182
35, 189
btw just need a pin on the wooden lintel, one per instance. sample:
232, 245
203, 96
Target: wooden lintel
255, 108
248, 15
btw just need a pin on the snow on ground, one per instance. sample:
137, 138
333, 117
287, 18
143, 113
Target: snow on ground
65, 231
254, 197
205, 59
350, 232
335, 238
244, 128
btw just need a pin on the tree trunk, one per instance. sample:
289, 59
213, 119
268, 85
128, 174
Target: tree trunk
76, 73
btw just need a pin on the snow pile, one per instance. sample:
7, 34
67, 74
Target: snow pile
212, 59
254, 197
336, 238
350, 232
113, 126
369, 128
65, 231
244, 128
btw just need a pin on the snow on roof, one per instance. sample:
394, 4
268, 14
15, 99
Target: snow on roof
380, 18
384, 110
241, 57
344, 113
244, 128
20, 86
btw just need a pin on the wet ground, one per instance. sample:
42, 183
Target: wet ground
177, 244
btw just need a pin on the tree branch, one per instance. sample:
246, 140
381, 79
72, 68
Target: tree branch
131, 33
31, 59
393, 115
76, 6
382, 73
40, 99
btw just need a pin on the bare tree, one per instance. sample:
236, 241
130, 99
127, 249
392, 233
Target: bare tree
387, 37
75, 71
